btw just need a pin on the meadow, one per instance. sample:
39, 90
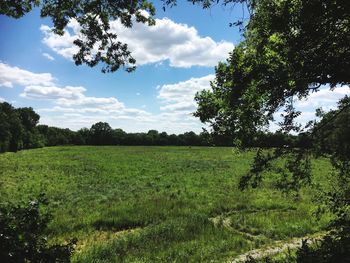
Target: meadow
158, 204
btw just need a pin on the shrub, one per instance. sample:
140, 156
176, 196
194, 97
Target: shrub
22, 235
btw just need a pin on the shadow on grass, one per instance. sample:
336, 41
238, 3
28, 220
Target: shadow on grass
117, 225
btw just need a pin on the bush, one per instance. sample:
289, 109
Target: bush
22, 235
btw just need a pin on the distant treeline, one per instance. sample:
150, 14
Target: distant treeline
19, 130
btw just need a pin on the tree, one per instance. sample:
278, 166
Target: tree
101, 134
29, 119
288, 51
284, 55
120, 136
332, 133
330, 138
56, 136
291, 48
82, 136
163, 138
11, 128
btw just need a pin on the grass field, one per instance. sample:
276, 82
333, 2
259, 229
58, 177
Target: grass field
157, 204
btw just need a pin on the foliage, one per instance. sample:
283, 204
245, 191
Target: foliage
291, 48
18, 128
331, 137
22, 235
96, 42
332, 249
333, 128
20, 131
56, 136
285, 54
101, 134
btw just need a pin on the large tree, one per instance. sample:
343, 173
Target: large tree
290, 49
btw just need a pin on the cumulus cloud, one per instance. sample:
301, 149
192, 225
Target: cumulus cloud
178, 43
178, 104
71, 107
52, 92
62, 45
180, 96
11, 76
71, 103
72, 97
324, 98
48, 56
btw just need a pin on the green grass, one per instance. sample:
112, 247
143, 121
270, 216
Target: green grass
157, 204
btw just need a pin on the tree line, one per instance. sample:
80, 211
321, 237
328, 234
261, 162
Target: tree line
20, 129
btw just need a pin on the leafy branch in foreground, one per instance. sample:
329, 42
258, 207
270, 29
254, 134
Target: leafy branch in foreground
330, 138
22, 234
291, 48
96, 42
284, 55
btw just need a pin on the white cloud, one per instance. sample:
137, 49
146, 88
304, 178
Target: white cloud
71, 97
6, 84
10, 76
75, 110
91, 102
178, 43
52, 92
2, 99
48, 56
180, 96
109, 112
62, 45
72, 103
324, 98
178, 104
70, 107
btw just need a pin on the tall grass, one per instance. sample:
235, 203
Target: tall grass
157, 204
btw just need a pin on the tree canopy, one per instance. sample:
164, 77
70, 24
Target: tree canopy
19, 129
290, 49
96, 42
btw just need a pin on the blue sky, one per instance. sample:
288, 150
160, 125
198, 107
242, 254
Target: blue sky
176, 58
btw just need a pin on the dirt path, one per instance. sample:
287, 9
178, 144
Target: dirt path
277, 247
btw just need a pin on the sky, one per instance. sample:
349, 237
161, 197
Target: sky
175, 59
